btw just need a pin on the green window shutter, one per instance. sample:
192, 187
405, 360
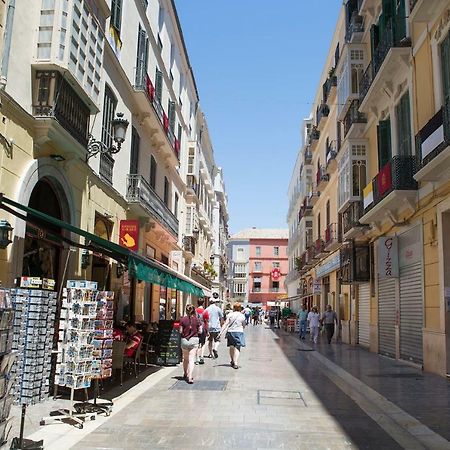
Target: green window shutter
445, 67
171, 115
158, 85
142, 57
400, 21
153, 167
402, 111
134, 157
374, 39
384, 142
116, 14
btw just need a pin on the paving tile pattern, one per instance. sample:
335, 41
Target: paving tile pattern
275, 400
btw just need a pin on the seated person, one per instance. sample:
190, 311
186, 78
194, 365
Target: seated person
133, 340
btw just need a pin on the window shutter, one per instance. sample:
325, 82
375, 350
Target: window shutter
158, 85
400, 21
153, 167
171, 115
116, 14
384, 143
134, 157
374, 39
445, 64
142, 57
404, 126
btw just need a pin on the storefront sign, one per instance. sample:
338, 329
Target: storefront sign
317, 286
331, 265
276, 273
388, 257
129, 234
410, 247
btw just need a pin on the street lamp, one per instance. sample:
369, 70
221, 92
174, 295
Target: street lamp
5, 233
119, 130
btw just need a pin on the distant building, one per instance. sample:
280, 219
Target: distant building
258, 265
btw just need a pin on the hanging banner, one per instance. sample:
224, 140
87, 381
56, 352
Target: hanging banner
387, 257
276, 273
129, 234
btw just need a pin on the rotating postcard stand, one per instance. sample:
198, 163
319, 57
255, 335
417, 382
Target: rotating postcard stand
35, 305
102, 343
75, 363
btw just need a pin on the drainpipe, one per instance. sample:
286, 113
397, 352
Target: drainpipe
7, 43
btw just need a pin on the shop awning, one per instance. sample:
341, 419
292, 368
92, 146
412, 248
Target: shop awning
139, 267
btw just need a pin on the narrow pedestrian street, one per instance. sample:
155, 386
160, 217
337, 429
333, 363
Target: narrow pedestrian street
283, 396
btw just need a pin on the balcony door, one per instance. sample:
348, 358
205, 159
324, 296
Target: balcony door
403, 116
384, 143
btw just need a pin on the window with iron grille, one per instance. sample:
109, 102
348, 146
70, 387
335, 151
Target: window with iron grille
134, 157
109, 110
158, 85
142, 57
153, 168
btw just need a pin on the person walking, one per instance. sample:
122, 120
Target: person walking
329, 318
215, 320
247, 311
234, 327
314, 319
190, 330
255, 316
203, 317
302, 322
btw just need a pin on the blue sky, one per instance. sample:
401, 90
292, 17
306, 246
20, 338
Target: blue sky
257, 65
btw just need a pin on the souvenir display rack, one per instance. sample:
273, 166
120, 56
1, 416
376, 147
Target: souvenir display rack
7, 358
75, 363
34, 320
102, 352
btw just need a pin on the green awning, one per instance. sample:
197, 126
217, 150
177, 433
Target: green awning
148, 271
139, 267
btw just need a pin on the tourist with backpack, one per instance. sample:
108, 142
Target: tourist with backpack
203, 317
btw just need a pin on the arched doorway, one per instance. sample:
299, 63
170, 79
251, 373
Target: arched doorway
42, 255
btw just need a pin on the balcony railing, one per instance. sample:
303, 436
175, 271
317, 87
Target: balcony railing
314, 135
388, 40
327, 87
397, 174
308, 157
305, 211
331, 153
144, 84
319, 248
322, 177
434, 137
351, 216
353, 116
322, 111
355, 25
58, 100
106, 167
274, 289
355, 263
189, 244
140, 191
332, 237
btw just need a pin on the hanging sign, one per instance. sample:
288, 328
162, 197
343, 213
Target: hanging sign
387, 257
129, 234
276, 273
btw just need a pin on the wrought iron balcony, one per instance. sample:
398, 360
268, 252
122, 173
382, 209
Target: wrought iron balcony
389, 40
355, 28
307, 157
319, 249
392, 189
192, 184
332, 237
106, 167
305, 211
144, 85
56, 99
322, 178
313, 195
329, 87
355, 119
189, 244
139, 191
351, 226
322, 112
433, 147
314, 136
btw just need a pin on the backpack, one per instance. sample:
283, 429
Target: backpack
201, 322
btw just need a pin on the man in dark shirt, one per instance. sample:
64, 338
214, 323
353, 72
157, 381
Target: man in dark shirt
329, 318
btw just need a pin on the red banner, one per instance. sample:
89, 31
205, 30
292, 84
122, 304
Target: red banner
129, 234
276, 273
384, 179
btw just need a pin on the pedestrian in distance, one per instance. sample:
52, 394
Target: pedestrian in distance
255, 316
302, 322
314, 320
247, 311
215, 321
234, 327
329, 318
202, 317
190, 329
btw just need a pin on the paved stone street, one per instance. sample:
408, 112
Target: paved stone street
280, 398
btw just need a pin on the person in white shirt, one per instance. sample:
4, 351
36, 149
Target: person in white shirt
313, 320
234, 326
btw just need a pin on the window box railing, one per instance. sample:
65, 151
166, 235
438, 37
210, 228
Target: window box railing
189, 244
397, 174
353, 116
256, 289
308, 157
144, 84
322, 177
351, 216
434, 137
355, 263
331, 153
314, 135
140, 191
323, 110
319, 248
331, 236
329, 85
355, 25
